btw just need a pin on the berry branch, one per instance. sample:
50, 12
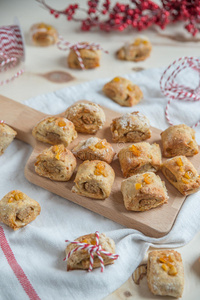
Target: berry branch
138, 14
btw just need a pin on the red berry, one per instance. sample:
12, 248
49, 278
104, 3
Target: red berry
130, 12
145, 5
141, 14
117, 21
129, 21
120, 28
122, 8
91, 10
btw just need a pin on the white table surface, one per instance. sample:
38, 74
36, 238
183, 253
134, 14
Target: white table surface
168, 45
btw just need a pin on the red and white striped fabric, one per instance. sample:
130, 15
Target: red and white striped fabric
18, 271
174, 91
11, 50
63, 45
92, 249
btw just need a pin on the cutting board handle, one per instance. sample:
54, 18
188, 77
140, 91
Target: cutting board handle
20, 117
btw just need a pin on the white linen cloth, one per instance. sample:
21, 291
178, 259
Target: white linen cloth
39, 247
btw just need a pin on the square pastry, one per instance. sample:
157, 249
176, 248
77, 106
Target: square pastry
179, 140
94, 179
87, 117
131, 127
78, 260
55, 130
182, 174
165, 274
137, 50
56, 163
143, 191
123, 91
17, 209
140, 158
90, 58
94, 148
43, 34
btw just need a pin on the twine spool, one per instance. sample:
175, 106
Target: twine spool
12, 50
175, 91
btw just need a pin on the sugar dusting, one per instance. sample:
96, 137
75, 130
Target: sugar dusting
133, 118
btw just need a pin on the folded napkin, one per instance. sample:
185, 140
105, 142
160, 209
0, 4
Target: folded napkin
35, 269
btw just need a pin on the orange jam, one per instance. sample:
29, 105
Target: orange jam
100, 169
139, 41
92, 242
61, 123
85, 241
181, 169
179, 162
134, 150
15, 196
100, 145
168, 264
55, 148
188, 174
43, 25
130, 88
58, 151
147, 178
138, 186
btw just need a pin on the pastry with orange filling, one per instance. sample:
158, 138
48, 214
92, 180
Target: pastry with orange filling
182, 174
55, 130
94, 179
43, 34
17, 209
131, 127
165, 273
90, 58
179, 140
123, 91
94, 148
81, 259
56, 163
142, 192
137, 50
88, 117
139, 158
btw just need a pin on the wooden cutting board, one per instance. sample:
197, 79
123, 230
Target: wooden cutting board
156, 222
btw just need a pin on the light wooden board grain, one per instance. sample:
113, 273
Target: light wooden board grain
156, 222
